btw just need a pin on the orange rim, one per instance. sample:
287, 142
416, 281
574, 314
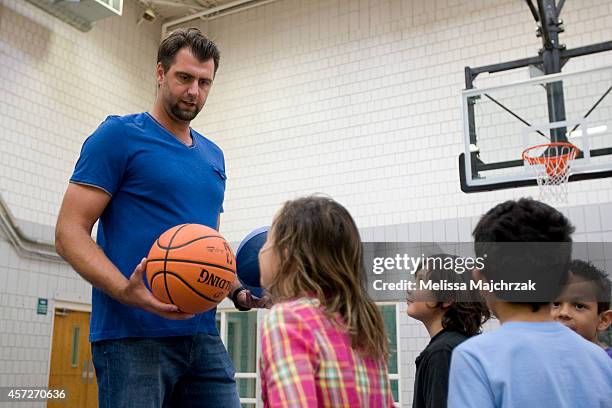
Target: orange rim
555, 165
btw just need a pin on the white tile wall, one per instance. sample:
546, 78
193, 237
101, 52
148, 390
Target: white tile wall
360, 100
26, 336
57, 84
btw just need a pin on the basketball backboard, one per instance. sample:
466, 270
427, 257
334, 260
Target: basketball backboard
500, 122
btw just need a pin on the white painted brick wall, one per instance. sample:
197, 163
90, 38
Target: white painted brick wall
26, 337
361, 100
57, 84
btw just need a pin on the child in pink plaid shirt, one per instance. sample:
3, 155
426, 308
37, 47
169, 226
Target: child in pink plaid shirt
323, 342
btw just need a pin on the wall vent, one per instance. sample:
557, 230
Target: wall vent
80, 14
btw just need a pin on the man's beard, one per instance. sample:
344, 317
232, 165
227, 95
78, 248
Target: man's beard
172, 106
184, 114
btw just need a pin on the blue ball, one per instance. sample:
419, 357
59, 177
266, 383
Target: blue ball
247, 259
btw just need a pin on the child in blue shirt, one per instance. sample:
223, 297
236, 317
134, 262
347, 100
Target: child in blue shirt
531, 360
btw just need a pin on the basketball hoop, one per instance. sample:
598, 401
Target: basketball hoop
551, 163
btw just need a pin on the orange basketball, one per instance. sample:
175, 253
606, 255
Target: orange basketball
191, 266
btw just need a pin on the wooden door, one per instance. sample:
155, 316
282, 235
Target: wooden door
71, 365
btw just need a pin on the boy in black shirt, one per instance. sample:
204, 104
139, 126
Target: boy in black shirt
450, 317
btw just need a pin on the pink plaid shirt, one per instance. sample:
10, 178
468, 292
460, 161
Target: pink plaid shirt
309, 362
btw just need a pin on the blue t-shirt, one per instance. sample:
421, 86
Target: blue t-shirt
530, 365
155, 183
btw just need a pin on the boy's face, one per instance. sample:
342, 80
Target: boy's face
421, 305
576, 308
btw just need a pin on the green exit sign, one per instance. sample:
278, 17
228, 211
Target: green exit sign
41, 309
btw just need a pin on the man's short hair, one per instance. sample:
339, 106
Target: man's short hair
201, 47
500, 238
600, 280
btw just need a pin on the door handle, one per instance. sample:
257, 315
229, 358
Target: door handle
92, 371
85, 370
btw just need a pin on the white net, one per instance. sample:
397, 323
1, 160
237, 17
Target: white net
551, 163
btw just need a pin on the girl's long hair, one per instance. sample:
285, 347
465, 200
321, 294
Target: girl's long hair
320, 254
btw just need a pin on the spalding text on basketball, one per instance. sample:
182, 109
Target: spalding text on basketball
213, 280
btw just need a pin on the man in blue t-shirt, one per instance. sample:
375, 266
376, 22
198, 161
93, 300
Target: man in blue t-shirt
531, 360
140, 175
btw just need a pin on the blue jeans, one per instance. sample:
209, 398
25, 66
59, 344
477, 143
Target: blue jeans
185, 371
